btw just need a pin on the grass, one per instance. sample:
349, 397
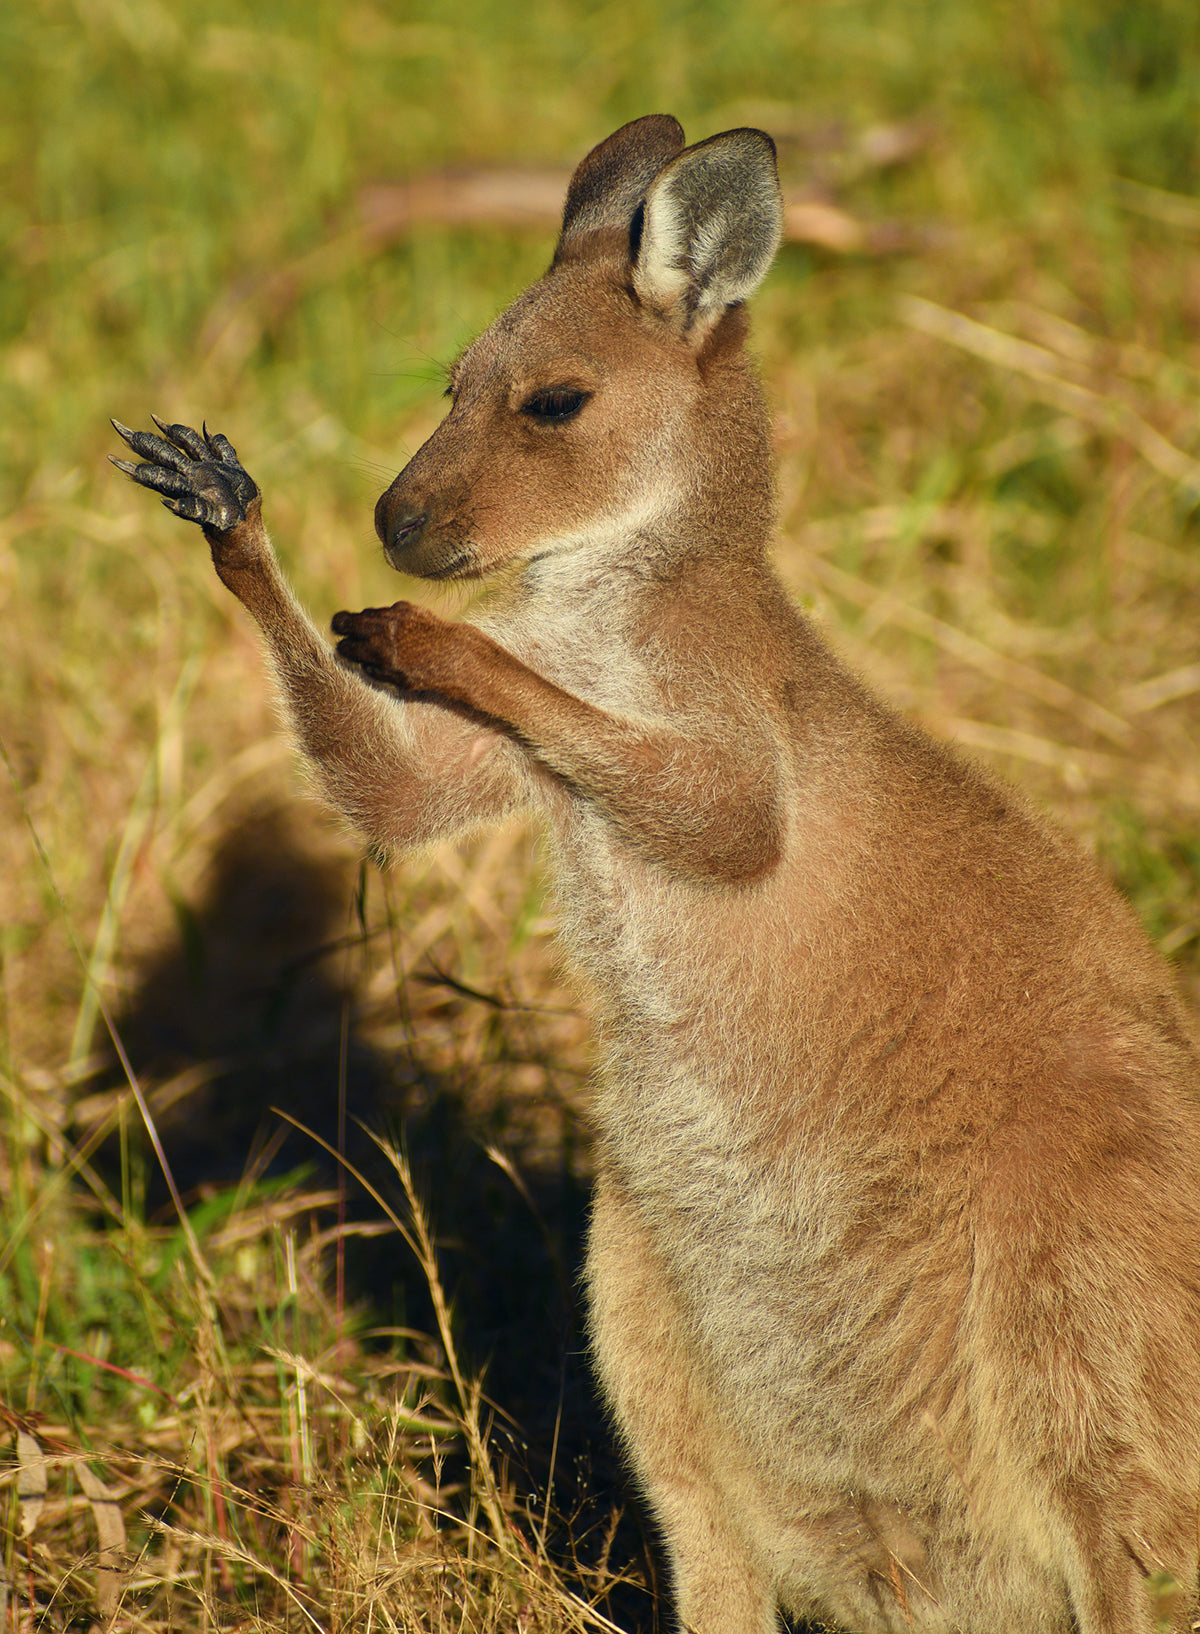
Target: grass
988, 498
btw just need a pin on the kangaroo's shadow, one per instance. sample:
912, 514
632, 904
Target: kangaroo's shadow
252, 1006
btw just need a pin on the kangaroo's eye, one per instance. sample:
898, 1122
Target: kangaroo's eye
553, 407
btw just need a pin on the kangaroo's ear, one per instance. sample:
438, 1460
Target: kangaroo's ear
713, 220
610, 184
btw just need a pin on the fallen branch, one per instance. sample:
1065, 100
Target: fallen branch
514, 200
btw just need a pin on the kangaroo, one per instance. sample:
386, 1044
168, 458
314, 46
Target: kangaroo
894, 1263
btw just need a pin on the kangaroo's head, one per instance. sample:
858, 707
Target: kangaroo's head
611, 408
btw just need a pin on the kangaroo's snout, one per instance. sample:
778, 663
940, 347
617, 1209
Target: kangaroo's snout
413, 544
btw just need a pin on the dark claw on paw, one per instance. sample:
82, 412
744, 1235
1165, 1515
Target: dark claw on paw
198, 473
183, 437
355, 651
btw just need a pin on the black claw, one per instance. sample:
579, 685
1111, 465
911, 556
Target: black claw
191, 442
224, 449
199, 475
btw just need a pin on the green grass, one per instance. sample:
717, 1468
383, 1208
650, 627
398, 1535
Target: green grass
1001, 545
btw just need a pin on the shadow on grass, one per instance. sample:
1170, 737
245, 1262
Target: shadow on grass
251, 1007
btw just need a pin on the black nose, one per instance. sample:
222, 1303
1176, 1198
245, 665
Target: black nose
399, 528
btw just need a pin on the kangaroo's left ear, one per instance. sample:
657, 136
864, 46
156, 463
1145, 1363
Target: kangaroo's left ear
713, 218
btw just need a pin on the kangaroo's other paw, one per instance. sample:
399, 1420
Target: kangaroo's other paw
198, 474
404, 645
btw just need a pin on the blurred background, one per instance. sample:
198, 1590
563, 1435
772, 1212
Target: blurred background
981, 348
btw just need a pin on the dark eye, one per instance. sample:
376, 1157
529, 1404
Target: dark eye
553, 407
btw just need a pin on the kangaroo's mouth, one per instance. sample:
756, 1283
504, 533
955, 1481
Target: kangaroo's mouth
434, 559
462, 565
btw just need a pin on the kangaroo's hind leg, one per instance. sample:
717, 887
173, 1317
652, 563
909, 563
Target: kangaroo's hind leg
1121, 1582
682, 1455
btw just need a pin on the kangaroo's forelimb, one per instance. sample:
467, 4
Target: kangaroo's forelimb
679, 797
404, 773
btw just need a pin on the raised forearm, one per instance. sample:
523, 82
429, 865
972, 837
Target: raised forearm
404, 773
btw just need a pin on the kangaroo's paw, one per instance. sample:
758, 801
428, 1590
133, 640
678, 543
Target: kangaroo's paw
405, 646
198, 474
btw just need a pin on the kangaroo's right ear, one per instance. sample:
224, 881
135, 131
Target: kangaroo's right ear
610, 184
713, 220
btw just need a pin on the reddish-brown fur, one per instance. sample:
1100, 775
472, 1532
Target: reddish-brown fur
895, 1259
